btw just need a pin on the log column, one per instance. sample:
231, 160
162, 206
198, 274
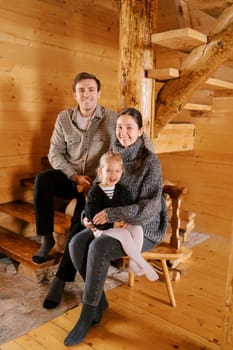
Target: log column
137, 22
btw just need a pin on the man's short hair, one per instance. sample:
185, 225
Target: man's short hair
83, 76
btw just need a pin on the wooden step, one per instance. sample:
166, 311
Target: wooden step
183, 39
21, 249
25, 211
163, 73
28, 182
217, 84
175, 137
197, 107
60, 204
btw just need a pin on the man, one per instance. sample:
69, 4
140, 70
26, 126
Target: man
81, 135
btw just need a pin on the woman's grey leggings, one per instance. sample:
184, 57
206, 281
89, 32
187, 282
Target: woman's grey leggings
91, 257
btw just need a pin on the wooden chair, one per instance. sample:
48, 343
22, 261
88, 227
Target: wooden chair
166, 252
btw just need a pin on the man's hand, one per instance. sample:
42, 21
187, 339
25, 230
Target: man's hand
83, 182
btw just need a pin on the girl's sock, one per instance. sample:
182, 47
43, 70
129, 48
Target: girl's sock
150, 272
135, 268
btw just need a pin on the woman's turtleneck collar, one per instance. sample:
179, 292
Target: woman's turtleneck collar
131, 152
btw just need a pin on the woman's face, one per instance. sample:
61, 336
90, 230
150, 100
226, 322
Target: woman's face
127, 130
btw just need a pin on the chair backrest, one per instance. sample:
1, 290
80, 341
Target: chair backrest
173, 198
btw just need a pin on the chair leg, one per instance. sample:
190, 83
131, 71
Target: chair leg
168, 283
131, 279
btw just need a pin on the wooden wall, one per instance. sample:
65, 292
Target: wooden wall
43, 45
207, 172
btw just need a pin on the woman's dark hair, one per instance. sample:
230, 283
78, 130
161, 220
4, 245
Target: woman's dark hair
134, 113
83, 76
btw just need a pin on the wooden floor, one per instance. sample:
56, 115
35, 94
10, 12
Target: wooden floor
141, 318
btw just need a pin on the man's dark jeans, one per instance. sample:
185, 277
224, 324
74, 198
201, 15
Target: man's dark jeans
49, 184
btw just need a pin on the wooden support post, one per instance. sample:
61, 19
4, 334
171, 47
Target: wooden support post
137, 22
131, 279
175, 194
168, 283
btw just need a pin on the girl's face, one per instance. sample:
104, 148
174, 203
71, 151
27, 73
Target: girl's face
111, 172
127, 130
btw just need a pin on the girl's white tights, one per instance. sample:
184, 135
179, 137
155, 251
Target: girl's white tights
131, 239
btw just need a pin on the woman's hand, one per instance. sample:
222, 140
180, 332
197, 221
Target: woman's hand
88, 224
100, 218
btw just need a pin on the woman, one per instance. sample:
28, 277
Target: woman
91, 256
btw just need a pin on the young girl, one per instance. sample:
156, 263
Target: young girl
107, 193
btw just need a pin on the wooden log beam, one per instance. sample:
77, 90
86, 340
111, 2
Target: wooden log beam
137, 22
200, 65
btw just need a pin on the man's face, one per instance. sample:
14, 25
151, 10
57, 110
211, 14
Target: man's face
86, 95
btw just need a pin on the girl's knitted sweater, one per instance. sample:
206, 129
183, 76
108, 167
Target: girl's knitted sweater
144, 183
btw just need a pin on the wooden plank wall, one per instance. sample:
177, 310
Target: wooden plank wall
43, 45
207, 172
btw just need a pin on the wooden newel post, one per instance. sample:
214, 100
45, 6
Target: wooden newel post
137, 22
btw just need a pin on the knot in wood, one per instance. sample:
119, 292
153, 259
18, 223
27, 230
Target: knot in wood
220, 44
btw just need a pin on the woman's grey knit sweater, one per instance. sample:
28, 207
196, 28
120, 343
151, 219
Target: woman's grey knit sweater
145, 185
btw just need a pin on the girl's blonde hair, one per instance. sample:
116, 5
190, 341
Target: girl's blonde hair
110, 155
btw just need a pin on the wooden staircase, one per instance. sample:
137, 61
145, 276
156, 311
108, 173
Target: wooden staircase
25, 211
183, 40
20, 248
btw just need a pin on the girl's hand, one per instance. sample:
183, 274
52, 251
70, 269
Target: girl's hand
88, 224
100, 218
120, 224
